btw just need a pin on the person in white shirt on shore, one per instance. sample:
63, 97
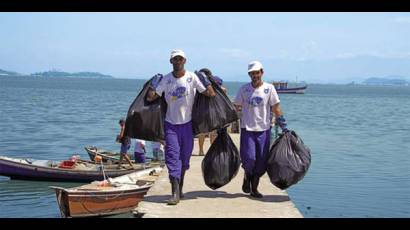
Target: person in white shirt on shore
139, 151
157, 151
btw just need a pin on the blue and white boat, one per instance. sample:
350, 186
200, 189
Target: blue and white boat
282, 87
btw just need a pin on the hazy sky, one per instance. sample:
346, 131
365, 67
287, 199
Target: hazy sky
315, 47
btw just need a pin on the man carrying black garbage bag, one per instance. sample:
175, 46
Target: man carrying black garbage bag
179, 87
257, 100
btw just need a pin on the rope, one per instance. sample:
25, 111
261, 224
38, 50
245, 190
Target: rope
103, 171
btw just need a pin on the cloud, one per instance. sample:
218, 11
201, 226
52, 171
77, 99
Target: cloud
310, 50
346, 55
377, 54
234, 53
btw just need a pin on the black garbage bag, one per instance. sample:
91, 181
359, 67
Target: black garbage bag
288, 160
145, 120
210, 113
221, 163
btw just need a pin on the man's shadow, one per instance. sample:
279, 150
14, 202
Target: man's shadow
216, 194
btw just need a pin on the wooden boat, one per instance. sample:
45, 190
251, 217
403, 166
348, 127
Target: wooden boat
282, 87
46, 170
106, 156
108, 197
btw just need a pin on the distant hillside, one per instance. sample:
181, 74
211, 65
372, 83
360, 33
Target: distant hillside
385, 81
8, 73
55, 73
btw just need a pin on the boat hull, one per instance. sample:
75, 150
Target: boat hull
16, 170
96, 203
112, 196
115, 158
298, 90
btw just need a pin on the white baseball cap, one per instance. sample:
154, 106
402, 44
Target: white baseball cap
254, 66
175, 53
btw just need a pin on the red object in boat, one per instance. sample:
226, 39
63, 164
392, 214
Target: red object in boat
67, 164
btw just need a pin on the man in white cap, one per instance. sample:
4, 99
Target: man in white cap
179, 88
257, 100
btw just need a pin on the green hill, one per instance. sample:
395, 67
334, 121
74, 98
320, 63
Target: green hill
55, 73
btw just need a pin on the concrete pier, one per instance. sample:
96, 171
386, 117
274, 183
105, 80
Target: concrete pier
227, 202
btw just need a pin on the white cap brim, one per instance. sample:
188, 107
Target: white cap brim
177, 53
256, 68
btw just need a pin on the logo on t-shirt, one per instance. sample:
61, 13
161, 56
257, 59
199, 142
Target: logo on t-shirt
189, 79
266, 91
178, 93
255, 101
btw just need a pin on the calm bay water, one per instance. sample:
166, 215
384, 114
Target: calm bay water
359, 137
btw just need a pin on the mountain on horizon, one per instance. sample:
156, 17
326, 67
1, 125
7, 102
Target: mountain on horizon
8, 73
389, 80
58, 73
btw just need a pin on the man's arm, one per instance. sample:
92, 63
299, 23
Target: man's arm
238, 107
205, 82
224, 90
151, 95
121, 135
279, 119
210, 92
277, 110
143, 147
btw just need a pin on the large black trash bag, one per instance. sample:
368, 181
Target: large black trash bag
288, 160
221, 163
145, 120
210, 113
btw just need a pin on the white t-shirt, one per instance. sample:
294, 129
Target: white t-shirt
139, 146
256, 106
157, 146
179, 95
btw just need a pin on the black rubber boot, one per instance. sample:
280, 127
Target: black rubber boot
181, 184
254, 187
246, 186
175, 191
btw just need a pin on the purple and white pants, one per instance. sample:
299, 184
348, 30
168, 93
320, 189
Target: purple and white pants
179, 143
254, 147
